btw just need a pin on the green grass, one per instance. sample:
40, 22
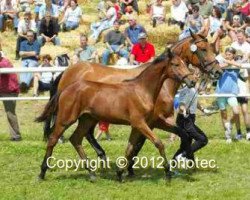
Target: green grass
20, 165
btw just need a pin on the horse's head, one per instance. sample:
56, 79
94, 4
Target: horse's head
197, 51
178, 70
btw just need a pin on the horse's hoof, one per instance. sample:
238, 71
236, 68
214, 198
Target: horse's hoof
131, 175
92, 178
119, 176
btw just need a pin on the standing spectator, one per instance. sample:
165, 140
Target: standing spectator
194, 22
179, 11
50, 7
85, 52
127, 3
143, 51
8, 10
234, 20
42, 81
24, 26
29, 52
72, 16
115, 42
158, 13
216, 29
9, 88
132, 31
104, 24
49, 31
227, 84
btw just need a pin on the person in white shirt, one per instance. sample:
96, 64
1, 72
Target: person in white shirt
158, 13
72, 16
178, 13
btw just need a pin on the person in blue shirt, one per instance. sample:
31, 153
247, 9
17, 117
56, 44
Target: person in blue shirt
227, 84
29, 52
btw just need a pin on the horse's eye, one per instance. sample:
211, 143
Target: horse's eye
204, 50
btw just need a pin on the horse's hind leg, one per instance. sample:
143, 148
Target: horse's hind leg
136, 141
84, 125
58, 131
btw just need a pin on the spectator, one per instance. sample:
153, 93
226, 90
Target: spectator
158, 13
42, 81
221, 4
85, 52
24, 5
247, 33
179, 11
9, 88
38, 5
132, 31
143, 51
234, 20
194, 22
104, 24
103, 128
8, 10
49, 6
227, 84
49, 31
126, 3
72, 16
115, 42
216, 30
241, 45
245, 8
24, 26
29, 52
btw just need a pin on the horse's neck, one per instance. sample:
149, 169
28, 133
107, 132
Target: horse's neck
172, 86
152, 78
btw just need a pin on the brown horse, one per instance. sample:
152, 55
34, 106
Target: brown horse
193, 50
130, 102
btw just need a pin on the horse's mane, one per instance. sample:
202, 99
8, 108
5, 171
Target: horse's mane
157, 60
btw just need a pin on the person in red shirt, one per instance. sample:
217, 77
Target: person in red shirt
9, 87
143, 51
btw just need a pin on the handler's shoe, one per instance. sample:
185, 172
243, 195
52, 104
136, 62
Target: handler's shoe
238, 137
248, 136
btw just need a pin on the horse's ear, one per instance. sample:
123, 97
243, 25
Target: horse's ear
191, 33
169, 52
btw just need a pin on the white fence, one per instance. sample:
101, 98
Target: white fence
61, 69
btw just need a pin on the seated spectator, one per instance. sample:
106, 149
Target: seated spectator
49, 31
221, 4
24, 25
205, 8
24, 5
106, 23
132, 31
115, 42
49, 6
245, 8
247, 33
158, 13
216, 28
29, 52
194, 22
234, 20
85, 52
227, 84
142, 52
178, 13
126, 3
38, 5
72, 16
9, 88
42, 81
8, 10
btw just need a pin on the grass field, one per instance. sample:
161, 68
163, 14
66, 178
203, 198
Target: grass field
20, 165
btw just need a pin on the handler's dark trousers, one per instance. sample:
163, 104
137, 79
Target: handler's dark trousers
10, 109
194, 132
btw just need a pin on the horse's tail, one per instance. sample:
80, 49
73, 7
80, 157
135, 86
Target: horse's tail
49, 113
49, 110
